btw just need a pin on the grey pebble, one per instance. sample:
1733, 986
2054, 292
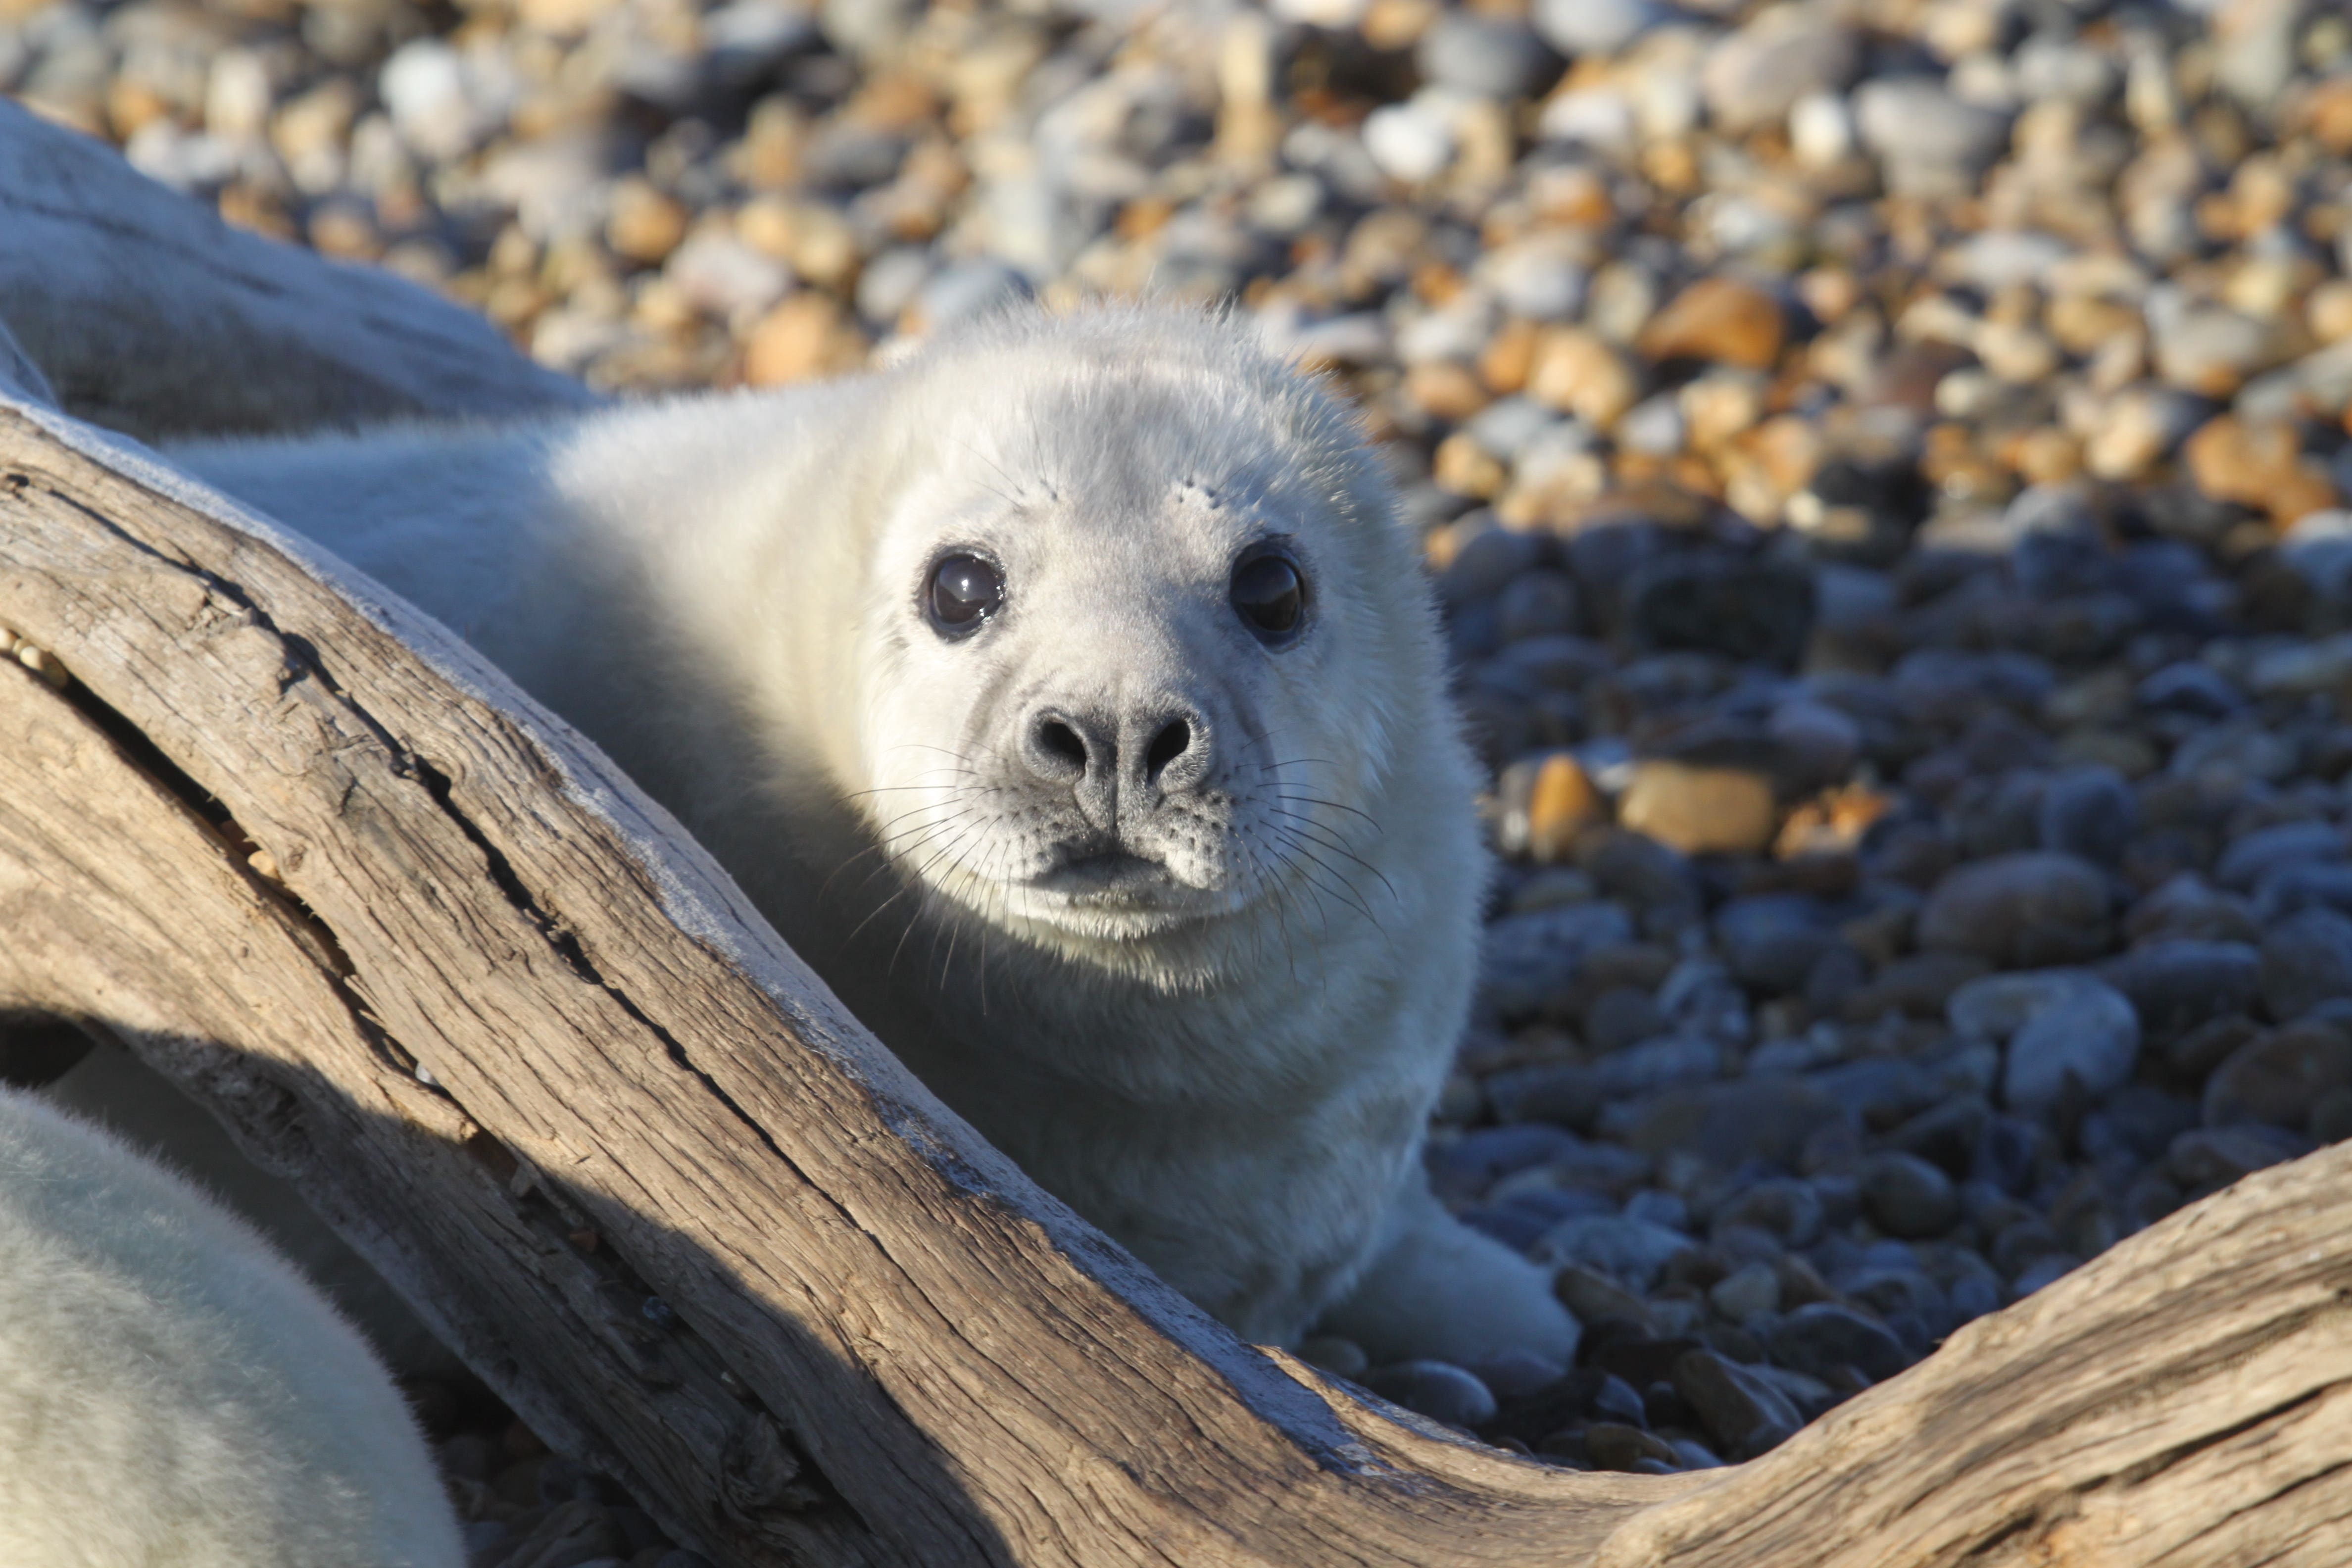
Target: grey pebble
2306, 960
1516, 1373
2252, 856
2177, 984
1745, 1413
1437, 1389
2024, 911
1782, 1206
1772, 941
1757, 74
1819, 1338
1659, 1064
1596, 26
2090, 1037
2090, 812
1928, 141
2045, 1270
1629, 1251
1492, 56
1753, 1288
2279, 1077
1906, 1196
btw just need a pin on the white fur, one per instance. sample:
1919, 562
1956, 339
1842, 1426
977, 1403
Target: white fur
172, 1392
1226, 1059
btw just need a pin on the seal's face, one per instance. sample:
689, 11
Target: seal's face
1136, 649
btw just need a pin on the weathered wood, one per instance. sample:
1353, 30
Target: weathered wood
421, 949
150, 315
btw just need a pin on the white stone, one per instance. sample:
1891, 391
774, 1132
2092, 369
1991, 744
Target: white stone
1820, 130
1411, 142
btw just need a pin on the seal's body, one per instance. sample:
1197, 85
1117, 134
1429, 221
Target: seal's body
171, 1391
1069, 699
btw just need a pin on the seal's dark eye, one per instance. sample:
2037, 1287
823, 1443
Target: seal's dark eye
1269, 593
965, 591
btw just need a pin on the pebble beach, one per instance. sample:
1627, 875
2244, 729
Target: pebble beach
1885, 467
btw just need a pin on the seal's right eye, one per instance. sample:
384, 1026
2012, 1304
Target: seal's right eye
965, 591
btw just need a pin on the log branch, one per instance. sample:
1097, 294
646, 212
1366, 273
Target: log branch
424, 951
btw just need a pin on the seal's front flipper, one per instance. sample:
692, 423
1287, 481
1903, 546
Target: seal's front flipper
1442, 1291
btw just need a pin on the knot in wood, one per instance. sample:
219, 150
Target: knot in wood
762, 1472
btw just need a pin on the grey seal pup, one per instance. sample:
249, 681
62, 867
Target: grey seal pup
1070, 699
172, 1391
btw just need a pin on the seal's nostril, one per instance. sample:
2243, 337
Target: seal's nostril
1166, 747
1061, 741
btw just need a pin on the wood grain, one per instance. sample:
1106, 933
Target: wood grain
522, 1043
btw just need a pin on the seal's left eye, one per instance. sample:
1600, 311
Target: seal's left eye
965, 591
1269, 595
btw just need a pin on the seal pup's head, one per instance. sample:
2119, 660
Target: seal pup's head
1153, 650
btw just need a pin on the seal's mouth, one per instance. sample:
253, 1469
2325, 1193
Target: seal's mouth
1112, 875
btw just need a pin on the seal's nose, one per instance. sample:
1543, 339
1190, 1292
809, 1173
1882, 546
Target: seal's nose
1062, 748
1147, 751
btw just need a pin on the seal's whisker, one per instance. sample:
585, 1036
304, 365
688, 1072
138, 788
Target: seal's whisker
871, 916
916, 837
890, 832
902, 789
1316, 832
1297, 799
925, 746
1288, 856
1280, 898
1354, 899
914, 916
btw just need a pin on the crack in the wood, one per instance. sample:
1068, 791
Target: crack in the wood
2269, 1502
2174, 1457
2054, 1511
302, 661
211, 816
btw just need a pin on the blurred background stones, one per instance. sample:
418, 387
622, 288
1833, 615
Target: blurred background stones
1883, 467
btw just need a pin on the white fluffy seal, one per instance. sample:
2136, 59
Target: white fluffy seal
1069, 699
172, 1391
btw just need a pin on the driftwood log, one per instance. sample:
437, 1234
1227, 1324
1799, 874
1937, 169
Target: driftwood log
149, 314
424, 951
421, 949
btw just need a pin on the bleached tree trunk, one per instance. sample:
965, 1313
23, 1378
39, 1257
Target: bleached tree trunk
149, 314
423, 950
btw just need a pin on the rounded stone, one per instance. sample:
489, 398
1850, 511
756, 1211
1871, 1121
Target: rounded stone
1745, 1413
1772, 941
1596, 26
1721, 319
1437, 1389
2278, 1077
1906, 1196
2306, 959
1819, 1338
1757, 74
1700, 811
2090, 812
1629, 1251
2252, 856
2021, 910
2089, 1036
1492, 56
2176, 984
1755, 1287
